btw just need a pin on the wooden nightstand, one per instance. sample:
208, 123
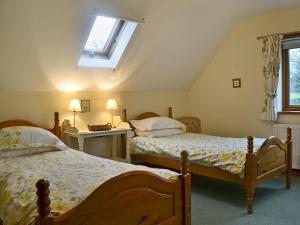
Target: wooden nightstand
82, 135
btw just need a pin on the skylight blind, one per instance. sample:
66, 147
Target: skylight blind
289, 43
130, 18
135, 20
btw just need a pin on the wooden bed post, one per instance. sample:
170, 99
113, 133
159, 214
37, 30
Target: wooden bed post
250, 172
125, 115
186, 185
1, 222
170, 112
56, 119
289, 157
43, 202
57, 128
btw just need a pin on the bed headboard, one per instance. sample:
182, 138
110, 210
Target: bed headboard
193, 124
56, 130
146, 115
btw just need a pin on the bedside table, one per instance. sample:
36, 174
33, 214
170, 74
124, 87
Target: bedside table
82, 135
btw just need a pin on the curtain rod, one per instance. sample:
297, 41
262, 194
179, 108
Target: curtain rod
284, 34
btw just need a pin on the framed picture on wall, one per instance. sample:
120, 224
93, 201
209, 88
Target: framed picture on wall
85, 106
236, 83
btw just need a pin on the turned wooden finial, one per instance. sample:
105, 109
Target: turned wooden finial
288, 135
170, 112
57, 128
43, 200
125, 115
56, 119
250, 144
184, 162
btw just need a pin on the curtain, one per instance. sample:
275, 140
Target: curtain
271, 51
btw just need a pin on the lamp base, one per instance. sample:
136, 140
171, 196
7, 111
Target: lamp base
112, 119
74, 118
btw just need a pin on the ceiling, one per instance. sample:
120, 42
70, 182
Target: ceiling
41, 42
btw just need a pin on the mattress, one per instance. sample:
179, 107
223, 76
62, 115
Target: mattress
73, 175
226, 153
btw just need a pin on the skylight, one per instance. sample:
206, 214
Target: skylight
107, 42
101, 32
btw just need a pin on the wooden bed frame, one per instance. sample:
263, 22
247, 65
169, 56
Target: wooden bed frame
136, 197
56, 130
272, 159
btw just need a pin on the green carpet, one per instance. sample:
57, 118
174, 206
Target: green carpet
215, 202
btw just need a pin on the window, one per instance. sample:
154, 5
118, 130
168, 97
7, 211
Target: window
107, 42
103, 35
291, 73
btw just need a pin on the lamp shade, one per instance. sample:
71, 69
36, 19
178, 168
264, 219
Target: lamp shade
75, 105
111, 104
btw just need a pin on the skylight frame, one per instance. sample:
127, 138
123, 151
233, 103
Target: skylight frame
114, 39
100, 33
110, 43
112, 34
120, 41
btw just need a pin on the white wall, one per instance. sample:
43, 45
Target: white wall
235, 112
41, 54
41, 42
39, 107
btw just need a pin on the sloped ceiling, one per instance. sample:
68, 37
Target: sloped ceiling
41, 41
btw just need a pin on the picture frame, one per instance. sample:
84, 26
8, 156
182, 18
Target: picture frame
85, 106
236, 83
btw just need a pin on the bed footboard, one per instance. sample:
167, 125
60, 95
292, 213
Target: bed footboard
272, 159
133, 198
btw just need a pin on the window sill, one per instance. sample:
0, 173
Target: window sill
289, 113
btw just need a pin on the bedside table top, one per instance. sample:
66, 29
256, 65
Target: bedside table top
87, 133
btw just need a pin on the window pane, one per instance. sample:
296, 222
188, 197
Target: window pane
100, 34
294, 61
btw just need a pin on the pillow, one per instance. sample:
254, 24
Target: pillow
21, 140
157, 123
159, 133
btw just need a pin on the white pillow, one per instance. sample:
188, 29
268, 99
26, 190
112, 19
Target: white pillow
159, 133
157, 123
22, 140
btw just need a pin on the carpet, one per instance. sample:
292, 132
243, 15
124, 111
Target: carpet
216, 202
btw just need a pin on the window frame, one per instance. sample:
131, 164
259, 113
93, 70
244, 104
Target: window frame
286, 106
122, 42
110, 44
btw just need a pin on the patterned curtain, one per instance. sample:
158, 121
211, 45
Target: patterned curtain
271, 51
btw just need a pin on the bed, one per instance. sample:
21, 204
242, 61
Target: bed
261, 159
96, 191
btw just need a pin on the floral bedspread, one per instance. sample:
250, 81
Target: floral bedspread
73, 175
226, 153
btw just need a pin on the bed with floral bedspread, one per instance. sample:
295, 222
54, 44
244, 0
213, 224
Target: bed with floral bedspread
73, 175
225, 153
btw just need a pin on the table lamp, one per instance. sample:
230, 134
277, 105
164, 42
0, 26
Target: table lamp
75, 107
112, 106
